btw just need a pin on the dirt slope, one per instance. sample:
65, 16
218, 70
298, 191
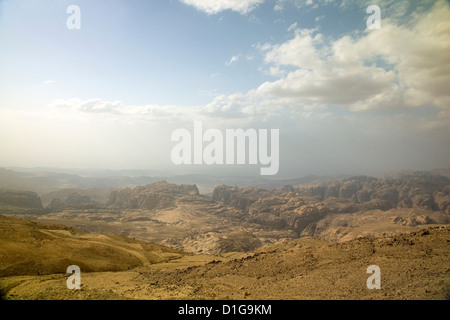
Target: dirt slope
30, 248
413, 266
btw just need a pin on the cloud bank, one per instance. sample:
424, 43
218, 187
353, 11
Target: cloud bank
216, 6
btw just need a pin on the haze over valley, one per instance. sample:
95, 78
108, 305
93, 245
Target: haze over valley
172, 227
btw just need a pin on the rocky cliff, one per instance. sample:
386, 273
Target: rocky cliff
420, 190
238, 219
299, 207
158, 195
73, 201
24, 199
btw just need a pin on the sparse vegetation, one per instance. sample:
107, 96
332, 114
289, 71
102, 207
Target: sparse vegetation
167, 241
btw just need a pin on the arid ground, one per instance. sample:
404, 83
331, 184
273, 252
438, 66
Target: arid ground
413, 266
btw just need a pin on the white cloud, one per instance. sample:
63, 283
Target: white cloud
90, 106
221, 108
48, 82
263, 47
278, 7
216, 6
300, 51
233, 60
116, 111
319, 18
399, 66
292, 27
225, 106
276, 72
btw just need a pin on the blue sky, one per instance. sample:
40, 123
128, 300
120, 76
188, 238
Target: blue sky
108, 95
142, 52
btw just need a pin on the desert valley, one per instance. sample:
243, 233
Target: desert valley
169, 241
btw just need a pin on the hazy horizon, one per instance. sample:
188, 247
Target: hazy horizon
220, 173
347, 100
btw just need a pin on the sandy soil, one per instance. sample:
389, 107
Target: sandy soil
413, 266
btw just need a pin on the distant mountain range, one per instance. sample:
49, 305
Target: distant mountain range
100, 183
46, 180
244, 218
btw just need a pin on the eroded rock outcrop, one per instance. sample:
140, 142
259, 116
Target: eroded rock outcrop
24, 199
286, 208
423, 190
73, 201
158, 195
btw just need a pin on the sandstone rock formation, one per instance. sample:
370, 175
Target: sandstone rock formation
300, 208
239, 198
158, 195
73, 201
423, 190
24, 199
214, 243
236, 219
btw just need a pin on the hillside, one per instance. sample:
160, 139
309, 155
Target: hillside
30, 248
25, 199
158, 195
100, 195
20, 202
243, 219
413, 266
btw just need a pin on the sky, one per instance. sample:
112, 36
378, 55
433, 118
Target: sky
346, 98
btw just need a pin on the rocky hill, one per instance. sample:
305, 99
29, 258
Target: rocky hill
420, 190
242, 219
74, 200
423, 190
335, 207
20, 202
158, 195
99, 195
414, 266
25, 199
30, 248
